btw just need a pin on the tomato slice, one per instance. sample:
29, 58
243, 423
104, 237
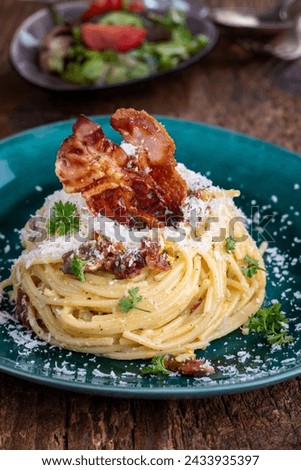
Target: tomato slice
117, 37
98, 7
135, 6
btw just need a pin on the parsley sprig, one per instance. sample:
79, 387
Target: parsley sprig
156, 366
77, 268
230, 244
128, 302
63, 220
251, 266
272, 322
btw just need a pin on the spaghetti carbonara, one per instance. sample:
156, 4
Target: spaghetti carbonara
131, 284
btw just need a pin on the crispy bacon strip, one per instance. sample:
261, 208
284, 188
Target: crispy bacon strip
155, 151
114, 258
22, 303
195, 367
124, 189
87, 157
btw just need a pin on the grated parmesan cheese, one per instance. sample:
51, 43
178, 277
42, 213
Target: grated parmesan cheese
129, 149
193, 179
194, 210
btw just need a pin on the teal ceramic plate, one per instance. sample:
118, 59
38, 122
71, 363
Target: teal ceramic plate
269, 179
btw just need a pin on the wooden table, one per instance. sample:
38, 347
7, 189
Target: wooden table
231, 89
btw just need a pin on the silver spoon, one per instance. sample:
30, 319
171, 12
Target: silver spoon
285, 47
244, 22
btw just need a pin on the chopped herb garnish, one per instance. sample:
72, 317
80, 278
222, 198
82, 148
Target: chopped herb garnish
230, 244
127, 303
156, 367
251, 266
77, 267
272, 322
63, 220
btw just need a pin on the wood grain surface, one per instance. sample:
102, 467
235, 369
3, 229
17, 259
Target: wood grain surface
230, 88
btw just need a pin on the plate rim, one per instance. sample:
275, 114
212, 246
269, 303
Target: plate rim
163, 117
159, 392
69, 87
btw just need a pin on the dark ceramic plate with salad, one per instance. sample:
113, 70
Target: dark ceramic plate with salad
110, 43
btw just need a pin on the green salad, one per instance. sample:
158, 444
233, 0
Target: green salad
119, 46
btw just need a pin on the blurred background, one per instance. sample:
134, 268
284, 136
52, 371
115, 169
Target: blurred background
231, 87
